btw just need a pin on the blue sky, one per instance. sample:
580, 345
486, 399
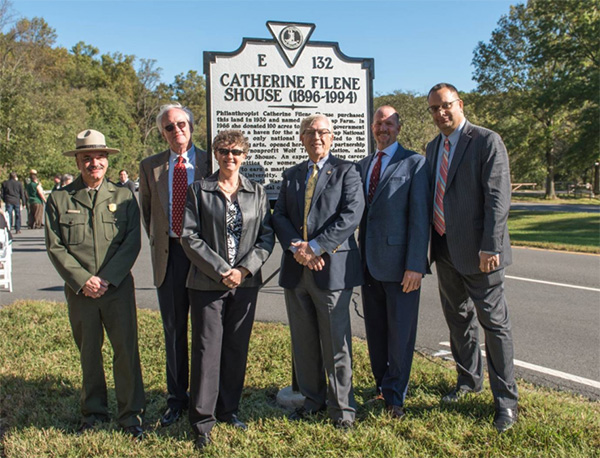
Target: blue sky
415, 43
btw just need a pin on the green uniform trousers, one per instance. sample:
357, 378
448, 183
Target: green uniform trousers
115, 311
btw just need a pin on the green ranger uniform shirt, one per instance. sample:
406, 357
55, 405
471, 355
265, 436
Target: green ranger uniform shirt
85, 239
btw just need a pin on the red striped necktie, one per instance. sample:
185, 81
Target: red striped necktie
374, 180
439, 223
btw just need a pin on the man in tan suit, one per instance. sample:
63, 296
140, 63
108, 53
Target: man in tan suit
164, 178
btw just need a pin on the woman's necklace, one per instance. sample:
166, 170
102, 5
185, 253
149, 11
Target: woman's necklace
229, 190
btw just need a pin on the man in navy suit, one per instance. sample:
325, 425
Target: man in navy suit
319, 208
393, 236
471, 247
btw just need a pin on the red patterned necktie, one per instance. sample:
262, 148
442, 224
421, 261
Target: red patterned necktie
179, 190
374, 181
439, 223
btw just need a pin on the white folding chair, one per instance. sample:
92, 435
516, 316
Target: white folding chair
5, 261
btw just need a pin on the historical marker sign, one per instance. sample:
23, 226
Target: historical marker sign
267, 86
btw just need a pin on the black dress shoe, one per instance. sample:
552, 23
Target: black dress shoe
301, 413
457, 393
236, 423
85, 426
170, 416
202, 440
396, 411
136, 431
504, 419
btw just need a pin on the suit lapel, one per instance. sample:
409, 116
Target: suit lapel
201, 167
161, 177
364, 170
433, 160
324, 176
461, 146
301, 186
104, 193
389, 170
81, 194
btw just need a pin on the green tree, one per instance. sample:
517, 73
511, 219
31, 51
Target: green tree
48, 94
543, 62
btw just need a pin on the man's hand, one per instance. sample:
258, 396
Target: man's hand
95, 287
304, 253
411, 281
234, 277
488, 262
317, 263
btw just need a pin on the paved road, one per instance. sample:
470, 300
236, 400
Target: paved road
556, 327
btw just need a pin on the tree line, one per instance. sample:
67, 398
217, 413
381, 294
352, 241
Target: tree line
538, 81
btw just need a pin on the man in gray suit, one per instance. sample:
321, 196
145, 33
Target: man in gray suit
319, 208
164, 179
471, 247
393, 236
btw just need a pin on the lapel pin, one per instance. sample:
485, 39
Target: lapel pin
112, 208
329, 172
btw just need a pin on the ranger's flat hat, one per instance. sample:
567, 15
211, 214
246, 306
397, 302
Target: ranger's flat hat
90, 141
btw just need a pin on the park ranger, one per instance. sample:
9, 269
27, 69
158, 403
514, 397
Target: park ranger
93, 240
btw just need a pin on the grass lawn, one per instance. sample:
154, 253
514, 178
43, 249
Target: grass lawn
562, 199
555, 230
40, 385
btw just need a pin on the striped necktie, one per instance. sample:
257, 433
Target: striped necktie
375, 175
439, 223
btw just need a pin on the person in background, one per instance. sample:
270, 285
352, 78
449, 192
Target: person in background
57, 182
66, 179
125, 182
14, 199
227, 236
35, 201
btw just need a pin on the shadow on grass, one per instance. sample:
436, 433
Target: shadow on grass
44, 402
52, 402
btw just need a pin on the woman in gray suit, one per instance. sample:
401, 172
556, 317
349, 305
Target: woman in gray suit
227, 236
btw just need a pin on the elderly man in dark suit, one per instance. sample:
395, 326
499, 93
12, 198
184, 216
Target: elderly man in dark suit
93, 240
319, 208
471, 248
164, 179
394, 235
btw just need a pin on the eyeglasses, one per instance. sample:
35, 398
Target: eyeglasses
444, 106
171, 127
320, 133
225, 151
